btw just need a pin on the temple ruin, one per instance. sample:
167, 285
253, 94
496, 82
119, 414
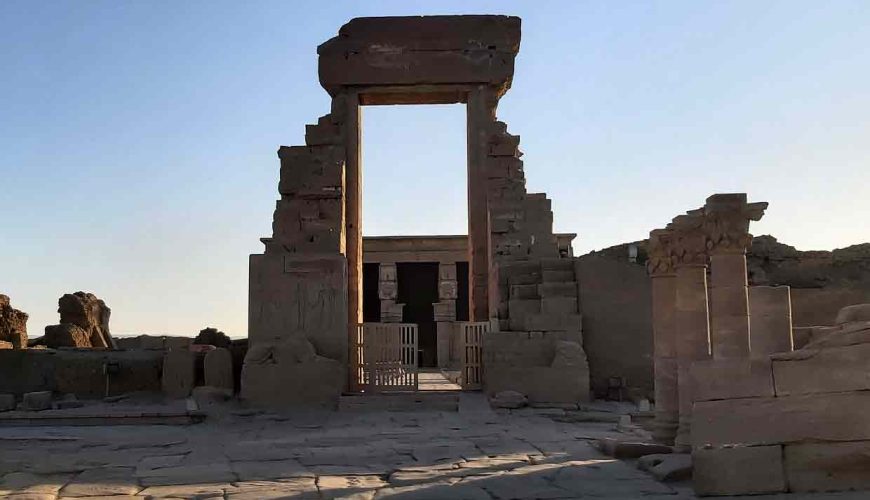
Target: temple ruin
726, 364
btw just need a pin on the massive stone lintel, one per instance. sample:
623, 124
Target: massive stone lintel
440, 50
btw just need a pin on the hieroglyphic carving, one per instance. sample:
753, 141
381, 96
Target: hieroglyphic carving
726, 222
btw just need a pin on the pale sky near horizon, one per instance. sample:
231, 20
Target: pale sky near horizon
138, 139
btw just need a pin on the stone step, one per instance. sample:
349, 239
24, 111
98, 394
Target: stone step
400, 401
552, 322
556, 264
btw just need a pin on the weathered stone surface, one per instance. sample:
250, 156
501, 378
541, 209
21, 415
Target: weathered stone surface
102, 481
738, 471
218, 369
13, 324
420, 51
67, 335
212, 336
179, 373
770, 320
40, 400
90, 314
627, 449
509, 399
569, 355
851, 314
731, 378
787, 419
819, 370
667, 467
828, 466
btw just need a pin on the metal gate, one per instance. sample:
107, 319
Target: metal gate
471, 336
386, 357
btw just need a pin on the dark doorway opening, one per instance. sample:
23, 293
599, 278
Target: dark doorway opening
371, 300
462, 292
418, 289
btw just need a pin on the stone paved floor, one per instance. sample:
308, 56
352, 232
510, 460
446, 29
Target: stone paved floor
473, 454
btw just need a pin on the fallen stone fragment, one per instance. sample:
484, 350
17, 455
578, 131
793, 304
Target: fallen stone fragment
667, 467
625, 449
509, 399
36, 401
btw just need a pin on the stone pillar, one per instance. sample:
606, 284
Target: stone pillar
770, 320
353, 208
388, 292
480, 115
726, 222
445, 311
663, 283
691, 317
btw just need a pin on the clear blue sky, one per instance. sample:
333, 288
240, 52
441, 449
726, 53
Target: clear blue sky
138, 139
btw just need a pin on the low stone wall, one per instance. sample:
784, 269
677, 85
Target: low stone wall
542, 366
796, 421
153, 342
79, 371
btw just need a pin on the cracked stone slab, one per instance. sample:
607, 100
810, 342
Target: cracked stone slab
103, 481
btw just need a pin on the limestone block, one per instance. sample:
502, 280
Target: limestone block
299, 296
559, 305
447, 272
67, 335
218, 369
13, 324
312, 171
553, 322
828, 466
391, 312
35, 401
541, 384
832, 369
787, 419
7, 402
504, 167
569, 355
738, 471
279, 381
445, 336
327, 131
310, 226
770, 325
520, 309
179, 373
448, 290
387, 272
630, 449
509, 399
547, 290
444, 310
388, 290
731, 378
851, 314
524, 292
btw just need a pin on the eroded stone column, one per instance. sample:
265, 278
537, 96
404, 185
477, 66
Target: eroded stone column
480, 114
770, 320
726, 222
663, 283
691, 316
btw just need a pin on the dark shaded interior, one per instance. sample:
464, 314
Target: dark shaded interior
418, 289
371, 300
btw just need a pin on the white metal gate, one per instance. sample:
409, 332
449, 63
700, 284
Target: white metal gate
471, 336
386, 357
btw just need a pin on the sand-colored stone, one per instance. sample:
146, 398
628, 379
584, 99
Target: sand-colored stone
738, 471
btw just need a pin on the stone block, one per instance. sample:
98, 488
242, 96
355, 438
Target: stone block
67, 335
738, 471
7, 402
447, 272
828, 466
445, 336
387, 272
312, 171
524, 292
559, 305
541, 384
388, 290
309, 226
770, 325
852, 314
283, 382
448, 290
391, 312
299, 296
832, 369
179, 373
553, 322
36, 401
218, 369
13, 324
547, 290
444, 310
81, 372
731, 378
782, 420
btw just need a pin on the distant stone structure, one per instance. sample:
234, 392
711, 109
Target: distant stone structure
84, 322
13, 326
